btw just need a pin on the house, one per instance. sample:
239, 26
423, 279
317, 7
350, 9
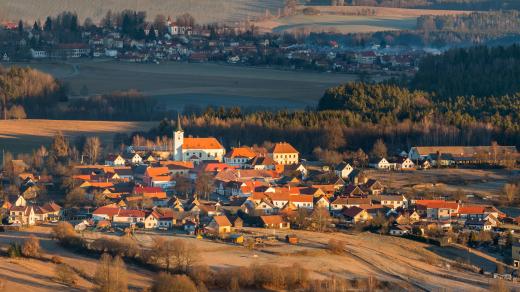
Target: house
437, 209
355, 215
195, 149
158, 177
274, 222
353, 191
465, 154
321, 202
105, 213
373, 187
23, 215
400, 230
239, 156
285, 154
391, 201
380, 163
263, 162
441, 159
302, 201
219, 225
343, 170
404, 163
124, 173
478, 225
133, 158
129, 216
115, 160
178, 168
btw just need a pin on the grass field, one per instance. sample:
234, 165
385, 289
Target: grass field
412, 265
179, 84
204, 11
488, 183
344, 19
25, 135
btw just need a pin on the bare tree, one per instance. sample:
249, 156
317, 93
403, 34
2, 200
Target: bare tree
111, 274
65, 274
176, 283
204, 184
379, 149
511, 192
92, 148
31, 247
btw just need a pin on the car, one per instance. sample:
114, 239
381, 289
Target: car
163, 228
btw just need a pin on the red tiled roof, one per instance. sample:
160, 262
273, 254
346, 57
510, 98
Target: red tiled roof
241, 152
201, 143
222, 220
284, 147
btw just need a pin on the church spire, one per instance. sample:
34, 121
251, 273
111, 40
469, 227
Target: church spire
179, 127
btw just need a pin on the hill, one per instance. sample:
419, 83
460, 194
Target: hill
204, 11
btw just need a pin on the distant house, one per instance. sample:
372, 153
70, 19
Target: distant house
391, 201
239, 156
274, 222
285, 154
219, 225
380, 163
403, 163
133, 158
23, 215
373, 187
115, 160
343, 170
355, 215
400, 230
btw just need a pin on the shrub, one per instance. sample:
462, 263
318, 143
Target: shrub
336, 246
31, 247
176, 283
56, 260
15, 250
65, 274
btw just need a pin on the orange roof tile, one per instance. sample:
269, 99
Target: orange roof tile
241, 152
284, 147
201, 143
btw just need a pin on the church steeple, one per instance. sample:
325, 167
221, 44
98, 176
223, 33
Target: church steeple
179, 126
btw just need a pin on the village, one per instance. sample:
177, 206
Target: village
225, 44
198, 188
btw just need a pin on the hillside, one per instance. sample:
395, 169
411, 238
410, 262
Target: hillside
25, 135
203, 11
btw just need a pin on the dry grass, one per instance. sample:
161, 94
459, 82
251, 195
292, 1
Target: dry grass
204, 11
178, 84
24, 135
344, 19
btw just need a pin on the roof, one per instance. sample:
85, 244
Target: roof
106, 210
156, 171
272, 219
284, 147
437, 204
476, 209
241, 152
301, 198
222, 220
142, 190
177, 164
352, 211
131, 213
201, 143
263, 160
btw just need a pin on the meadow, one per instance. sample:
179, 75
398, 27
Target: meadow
176, 85
204, 11
19, 136
350, 19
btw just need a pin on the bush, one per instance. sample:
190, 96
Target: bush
15, 250
16, 112
31, 247
65, 274
336, 246
176, 283
56, 260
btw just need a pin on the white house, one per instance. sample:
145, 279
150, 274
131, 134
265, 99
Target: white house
239, 156
380, 163
343, 170
23, 215
115, 160
133, 158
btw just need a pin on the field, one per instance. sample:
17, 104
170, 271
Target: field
412, 265
204, 11
349, 19
24, 135
180, 84
487, 183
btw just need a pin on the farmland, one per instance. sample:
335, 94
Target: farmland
25, 135
409, 264
178, 84
350, 19
203, 11
486, 183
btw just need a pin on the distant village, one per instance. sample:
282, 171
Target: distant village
222, 44
198, 187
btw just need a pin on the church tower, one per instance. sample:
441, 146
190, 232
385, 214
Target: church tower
178, 140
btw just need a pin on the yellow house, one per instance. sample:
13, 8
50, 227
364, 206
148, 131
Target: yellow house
285, 154
219, 225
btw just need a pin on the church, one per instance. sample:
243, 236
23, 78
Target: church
195, 149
